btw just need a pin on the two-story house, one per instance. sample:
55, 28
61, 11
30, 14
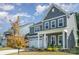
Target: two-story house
57, 28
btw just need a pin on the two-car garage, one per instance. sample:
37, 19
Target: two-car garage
33, 42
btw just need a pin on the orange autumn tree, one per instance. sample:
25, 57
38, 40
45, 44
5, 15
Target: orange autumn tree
15, 40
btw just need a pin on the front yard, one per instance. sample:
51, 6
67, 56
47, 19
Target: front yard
40, 53
73, 51
4, 48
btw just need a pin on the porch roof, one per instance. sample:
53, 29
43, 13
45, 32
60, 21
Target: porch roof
51, 31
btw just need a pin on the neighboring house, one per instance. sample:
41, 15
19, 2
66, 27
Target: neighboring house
24, 29
2, 41
57, 28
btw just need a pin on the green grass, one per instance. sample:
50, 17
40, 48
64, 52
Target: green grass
4, 48
75, 50
40, 53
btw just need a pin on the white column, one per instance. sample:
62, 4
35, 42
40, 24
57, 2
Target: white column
63, 40
45, 41
38, 40
76, 43
67, 41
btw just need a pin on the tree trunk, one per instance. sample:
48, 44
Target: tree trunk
18, 51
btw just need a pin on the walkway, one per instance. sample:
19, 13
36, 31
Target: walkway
4, 52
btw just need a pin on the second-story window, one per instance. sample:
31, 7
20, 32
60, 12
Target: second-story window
53, 24
46, 25
60, 22
37, 28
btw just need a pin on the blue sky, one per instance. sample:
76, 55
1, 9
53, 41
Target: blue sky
28, 12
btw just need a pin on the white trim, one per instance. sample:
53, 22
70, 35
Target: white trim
62, 22
61, 39
38, 41
53, 18
51, 31
54, 23
54, 39
63, 33
45, 46
45, 25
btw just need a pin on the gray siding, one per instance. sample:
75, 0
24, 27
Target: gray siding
71, 40
56, 13
65, 23
65, 40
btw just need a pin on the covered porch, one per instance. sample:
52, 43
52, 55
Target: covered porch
56, 37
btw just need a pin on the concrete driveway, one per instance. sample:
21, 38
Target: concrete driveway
4, 52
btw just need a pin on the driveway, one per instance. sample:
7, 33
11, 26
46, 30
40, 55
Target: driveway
4, 52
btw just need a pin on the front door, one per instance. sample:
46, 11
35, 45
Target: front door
53, 40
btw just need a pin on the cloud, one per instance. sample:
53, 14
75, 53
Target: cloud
3, 14
69, 7
24, 17
18, 4
40, 9
6, 7
22, 14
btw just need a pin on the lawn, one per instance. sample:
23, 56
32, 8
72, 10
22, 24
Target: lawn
4, 48
40, 53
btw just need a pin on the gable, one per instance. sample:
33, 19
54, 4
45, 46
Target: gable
54, 12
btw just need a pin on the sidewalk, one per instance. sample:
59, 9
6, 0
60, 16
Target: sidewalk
4, 52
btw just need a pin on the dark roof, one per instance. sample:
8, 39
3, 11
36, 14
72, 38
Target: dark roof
30, 34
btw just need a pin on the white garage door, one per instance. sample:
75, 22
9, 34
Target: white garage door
33, 43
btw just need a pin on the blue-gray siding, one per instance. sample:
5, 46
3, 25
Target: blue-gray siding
71, 40
65, 23
56, 13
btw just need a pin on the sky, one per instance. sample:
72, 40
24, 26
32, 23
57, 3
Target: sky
28, 12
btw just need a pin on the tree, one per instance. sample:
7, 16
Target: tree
77, 20
15, 40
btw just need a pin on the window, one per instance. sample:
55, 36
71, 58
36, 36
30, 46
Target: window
37, 29
59, 39
46, 25
60, 22
53, 24
53, 10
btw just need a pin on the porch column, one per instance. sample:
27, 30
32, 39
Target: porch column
76, 42
38, 40
45, 41
63, 40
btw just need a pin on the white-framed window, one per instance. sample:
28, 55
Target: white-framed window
60, 41
53, 39
53, 24
60, 22
37, 28
46, 25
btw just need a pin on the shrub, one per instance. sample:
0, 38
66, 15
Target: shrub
49, 49
75, 50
